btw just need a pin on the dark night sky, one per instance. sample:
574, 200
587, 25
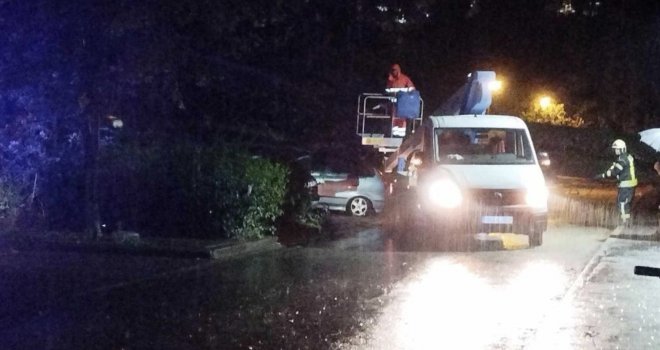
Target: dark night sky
214, 66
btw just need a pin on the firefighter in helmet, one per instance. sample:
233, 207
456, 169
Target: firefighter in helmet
623, 169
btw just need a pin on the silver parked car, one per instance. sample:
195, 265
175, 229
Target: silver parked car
357, 190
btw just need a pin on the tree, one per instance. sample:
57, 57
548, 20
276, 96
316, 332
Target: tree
551, 113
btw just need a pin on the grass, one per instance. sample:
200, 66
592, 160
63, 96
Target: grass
592, 203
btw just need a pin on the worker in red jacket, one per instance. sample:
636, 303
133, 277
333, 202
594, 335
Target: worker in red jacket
396, 82
397, 79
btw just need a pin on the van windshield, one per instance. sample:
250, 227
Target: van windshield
483, 146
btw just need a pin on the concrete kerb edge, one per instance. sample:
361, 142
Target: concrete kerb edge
572, 290
637, 233
588, 269
241, 248
585, 274
214, 251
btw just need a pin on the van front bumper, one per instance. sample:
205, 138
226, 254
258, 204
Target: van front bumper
505, 219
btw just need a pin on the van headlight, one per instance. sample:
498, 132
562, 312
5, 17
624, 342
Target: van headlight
445, 193
537, 196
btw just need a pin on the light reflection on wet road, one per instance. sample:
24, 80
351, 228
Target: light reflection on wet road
450, 306
487, 300
357, 292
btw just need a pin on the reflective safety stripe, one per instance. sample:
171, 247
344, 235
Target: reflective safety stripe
618, 166
628, 183
608, 173
631, 179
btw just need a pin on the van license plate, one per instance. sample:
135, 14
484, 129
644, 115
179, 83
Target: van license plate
497, 219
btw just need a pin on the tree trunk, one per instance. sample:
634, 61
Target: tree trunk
91, 145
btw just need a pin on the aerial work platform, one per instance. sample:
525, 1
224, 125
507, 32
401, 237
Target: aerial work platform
474, 97
385, 119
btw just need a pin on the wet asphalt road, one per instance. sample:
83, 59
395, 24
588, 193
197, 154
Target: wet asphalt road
359, 291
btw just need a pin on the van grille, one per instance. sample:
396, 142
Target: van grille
498, 197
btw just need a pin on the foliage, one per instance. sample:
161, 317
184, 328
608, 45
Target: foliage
553, 114
243, 195
25, 137
10, 200
298, 200
191, 190
585, 152
266, 186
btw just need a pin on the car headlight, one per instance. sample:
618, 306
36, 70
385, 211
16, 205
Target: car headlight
537, 196
445, 193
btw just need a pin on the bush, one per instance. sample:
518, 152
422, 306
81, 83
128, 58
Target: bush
191, 190
10, 201
247, 194
298, 200
266, 187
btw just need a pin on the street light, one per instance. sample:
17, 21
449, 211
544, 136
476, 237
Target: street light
116, 122
495, 86
545, 102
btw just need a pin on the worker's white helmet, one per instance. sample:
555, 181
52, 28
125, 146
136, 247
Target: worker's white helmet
619, 146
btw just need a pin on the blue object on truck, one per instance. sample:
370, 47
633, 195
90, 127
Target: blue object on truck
401, 165
407, 104
478, 96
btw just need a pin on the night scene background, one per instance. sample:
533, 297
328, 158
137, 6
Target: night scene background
135, 114
156, 188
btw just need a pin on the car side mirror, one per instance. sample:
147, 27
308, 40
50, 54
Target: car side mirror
544, 159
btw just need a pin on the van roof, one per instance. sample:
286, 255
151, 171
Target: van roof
477, 121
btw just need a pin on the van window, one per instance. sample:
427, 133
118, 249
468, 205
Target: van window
483, 146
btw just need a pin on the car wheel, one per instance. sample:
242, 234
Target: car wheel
358, 206
535, 239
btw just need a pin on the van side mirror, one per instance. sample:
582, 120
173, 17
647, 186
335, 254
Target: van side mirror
417, 159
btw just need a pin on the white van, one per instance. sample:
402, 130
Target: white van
479, 173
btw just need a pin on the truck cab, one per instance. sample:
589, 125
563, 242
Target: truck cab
479, 173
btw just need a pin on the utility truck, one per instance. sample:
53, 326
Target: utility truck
463, 171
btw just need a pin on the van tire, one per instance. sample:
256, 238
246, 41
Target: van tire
535, 239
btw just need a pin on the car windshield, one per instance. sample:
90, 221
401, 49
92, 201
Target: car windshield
483, 146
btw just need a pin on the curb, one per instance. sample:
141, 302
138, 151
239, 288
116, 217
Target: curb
243, 248
645, 233
214, 251
637, 233
547, 328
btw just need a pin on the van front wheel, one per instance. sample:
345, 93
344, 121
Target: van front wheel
535, 239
